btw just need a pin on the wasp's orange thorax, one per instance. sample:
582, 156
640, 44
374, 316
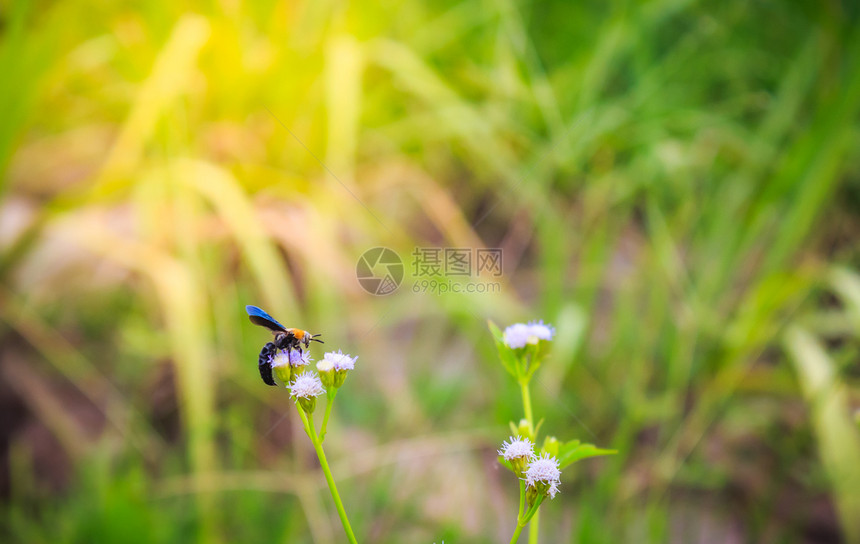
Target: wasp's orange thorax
298, 333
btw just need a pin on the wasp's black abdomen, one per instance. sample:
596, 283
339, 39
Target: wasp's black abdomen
265, 363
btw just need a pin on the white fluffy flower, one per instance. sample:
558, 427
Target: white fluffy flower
541, 331
544, 475
325, 365
519, 334
516, 336
298, 358
306, 386
517, 448
284, 357
339, 360
281, 358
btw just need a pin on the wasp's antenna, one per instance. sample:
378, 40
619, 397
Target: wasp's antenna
317, 340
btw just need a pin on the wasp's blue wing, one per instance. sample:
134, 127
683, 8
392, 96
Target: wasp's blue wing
259, 317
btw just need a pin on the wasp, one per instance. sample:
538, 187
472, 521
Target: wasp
285, 339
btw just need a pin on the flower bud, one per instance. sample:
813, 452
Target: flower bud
524, 429
550, 446
340, 363
326, 371
281, 366
308, 404
531, 495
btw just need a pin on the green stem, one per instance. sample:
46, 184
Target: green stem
521, 509
305, 422
523, 520
329, 403
533, 528
531, 515
517, 532
309, 426
527, 407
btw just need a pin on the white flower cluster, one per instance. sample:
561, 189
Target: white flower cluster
544, 472
306, 386
517, 448
291, 357
337, 361
519, 334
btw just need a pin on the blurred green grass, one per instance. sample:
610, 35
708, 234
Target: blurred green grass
674, 185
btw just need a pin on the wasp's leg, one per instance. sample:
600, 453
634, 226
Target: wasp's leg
285, 340
264, 362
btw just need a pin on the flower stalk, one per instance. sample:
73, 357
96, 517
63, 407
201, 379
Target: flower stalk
328, 405
308, 421
527, 410
527, 406
305, 389
522, 347
279, 363
524, 519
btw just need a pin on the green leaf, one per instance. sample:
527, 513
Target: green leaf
533, 366
574, 451
537, 428
506, 354
568, 447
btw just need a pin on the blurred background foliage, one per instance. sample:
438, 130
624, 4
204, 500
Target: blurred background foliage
674, 184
